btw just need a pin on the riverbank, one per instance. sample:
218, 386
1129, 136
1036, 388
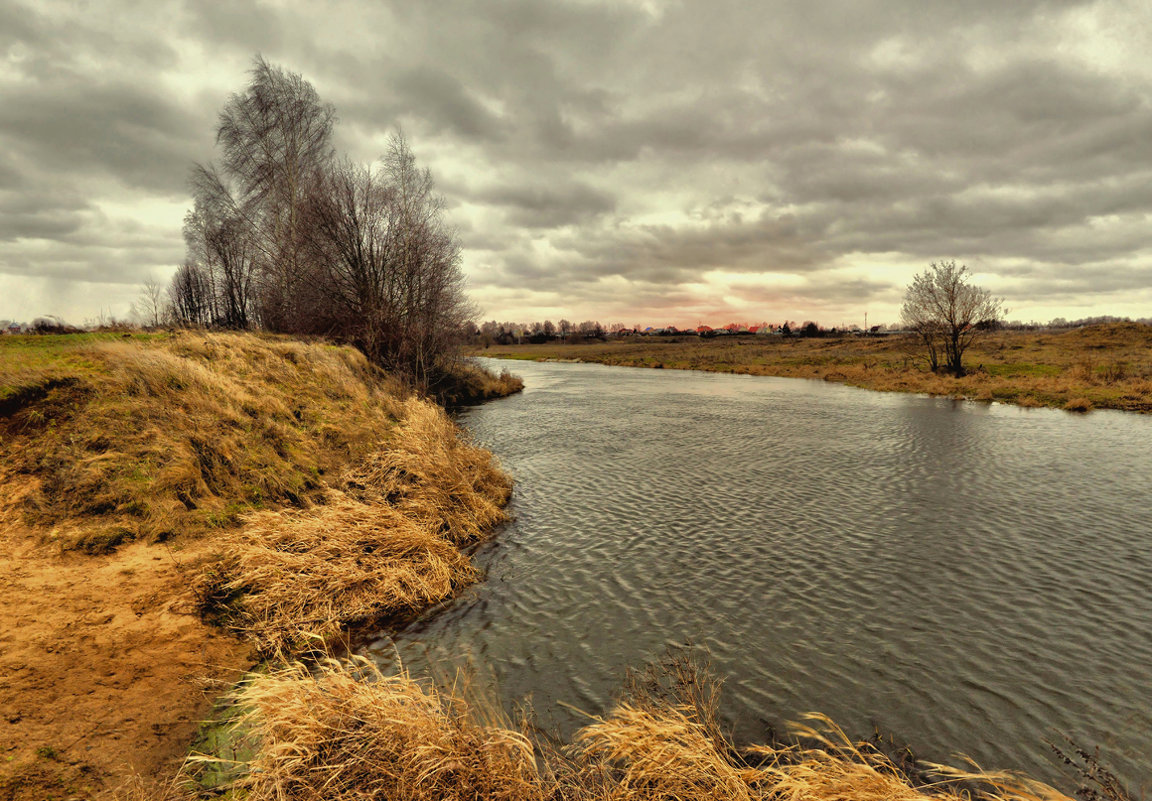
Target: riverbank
176, 507
1102, 367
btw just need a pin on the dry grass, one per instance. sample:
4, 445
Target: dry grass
349, 498
303, 490
468, 384
385, 546
428, 472
142, 788
343, 730
293, 581
104, 440
665, 753
1105, 366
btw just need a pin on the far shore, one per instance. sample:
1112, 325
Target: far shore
1096, 367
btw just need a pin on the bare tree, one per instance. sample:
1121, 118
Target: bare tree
590, 328
276, 138
426, 254
389, 265
189, 295
946, 312
151, 307
221, 240
284, 236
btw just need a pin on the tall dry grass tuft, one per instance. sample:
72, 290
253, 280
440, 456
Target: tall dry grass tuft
831, 766
665, 753
428, 471
295, 580
343, 730
140, 788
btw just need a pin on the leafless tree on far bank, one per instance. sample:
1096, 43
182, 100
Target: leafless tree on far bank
947, 312
151, 307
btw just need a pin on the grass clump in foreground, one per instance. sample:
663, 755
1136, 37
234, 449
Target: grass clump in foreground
342, 729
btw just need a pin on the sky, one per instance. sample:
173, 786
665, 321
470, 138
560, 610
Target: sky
643, 162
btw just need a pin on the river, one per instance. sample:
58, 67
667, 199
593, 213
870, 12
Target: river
972, 578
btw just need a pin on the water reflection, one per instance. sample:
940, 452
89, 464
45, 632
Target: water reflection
974, 578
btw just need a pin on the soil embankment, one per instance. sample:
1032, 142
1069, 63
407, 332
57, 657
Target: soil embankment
107, 667
148, 485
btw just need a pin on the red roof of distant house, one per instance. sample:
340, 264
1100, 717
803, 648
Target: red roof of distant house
700, 329
732, 327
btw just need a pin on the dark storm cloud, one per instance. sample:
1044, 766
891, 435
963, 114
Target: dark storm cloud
552, 204
446, 102
844, 290
596, 150
246, 25
127, 132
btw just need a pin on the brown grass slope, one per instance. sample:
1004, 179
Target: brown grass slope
291, 490
386, 544
121, 439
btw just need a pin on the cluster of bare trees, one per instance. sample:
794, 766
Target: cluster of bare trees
286, 236
508, 332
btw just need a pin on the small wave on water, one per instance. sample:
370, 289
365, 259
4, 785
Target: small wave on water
971, 578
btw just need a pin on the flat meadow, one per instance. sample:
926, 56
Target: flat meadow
1095, 367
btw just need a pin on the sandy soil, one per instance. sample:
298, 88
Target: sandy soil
105, 669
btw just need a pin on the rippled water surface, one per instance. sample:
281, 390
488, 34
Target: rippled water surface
973, 578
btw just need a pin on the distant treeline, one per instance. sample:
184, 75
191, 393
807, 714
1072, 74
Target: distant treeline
508, 333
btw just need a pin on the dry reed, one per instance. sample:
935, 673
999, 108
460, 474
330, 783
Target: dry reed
340, 729
428, 471
296, 579
664, 754
343, 730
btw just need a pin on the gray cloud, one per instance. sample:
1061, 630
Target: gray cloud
600, 155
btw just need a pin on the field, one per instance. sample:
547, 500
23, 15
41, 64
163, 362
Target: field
1102, 367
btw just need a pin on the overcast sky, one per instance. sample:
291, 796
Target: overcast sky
650, 162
